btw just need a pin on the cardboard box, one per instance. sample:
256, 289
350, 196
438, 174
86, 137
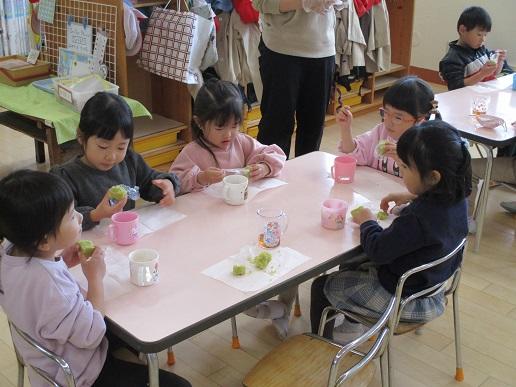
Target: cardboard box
15, 71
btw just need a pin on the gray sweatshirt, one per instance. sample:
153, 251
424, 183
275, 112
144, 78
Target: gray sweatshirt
89, 185
297, 33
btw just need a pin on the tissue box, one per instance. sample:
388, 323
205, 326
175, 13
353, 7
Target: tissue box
15, 71
77, 91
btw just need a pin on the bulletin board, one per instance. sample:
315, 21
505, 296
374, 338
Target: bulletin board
101, 14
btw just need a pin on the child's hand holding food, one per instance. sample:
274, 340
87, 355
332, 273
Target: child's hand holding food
104, 208
258, 171
211, 175
362, 214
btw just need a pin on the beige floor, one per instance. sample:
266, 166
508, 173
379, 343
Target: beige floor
488, 310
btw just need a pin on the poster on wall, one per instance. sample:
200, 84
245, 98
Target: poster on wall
73, 64
79, 36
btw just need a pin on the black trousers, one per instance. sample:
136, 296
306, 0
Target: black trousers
120, 373
294, 87
318, 302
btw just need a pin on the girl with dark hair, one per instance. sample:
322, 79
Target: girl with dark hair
39, 295
218, 144
436, 169
410, 101
105, 133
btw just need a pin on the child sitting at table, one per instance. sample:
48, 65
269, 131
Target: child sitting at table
436, 169
218, 144
410, 101
105, 133
468, 61
39, 295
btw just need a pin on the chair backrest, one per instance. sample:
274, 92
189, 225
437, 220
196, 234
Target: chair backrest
446, 286
62, 364
379, 332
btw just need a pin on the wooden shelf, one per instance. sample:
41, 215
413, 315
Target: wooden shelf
384, 82
365, 91
145, 3
394, 68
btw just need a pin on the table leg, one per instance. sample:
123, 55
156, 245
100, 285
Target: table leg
484, 192
39, 148
54, 152
153, 364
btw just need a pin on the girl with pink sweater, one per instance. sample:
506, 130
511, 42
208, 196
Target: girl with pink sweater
408, 102
218, 145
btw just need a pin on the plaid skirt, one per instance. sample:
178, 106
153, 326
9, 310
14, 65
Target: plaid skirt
358, 290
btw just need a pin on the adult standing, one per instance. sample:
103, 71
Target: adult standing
297, 62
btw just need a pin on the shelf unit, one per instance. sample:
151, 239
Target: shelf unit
401, 18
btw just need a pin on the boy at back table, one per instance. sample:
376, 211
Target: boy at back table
468, 61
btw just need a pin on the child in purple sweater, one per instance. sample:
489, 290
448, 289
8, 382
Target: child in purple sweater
408, 102
39, 295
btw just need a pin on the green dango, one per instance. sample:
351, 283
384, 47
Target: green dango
86, 247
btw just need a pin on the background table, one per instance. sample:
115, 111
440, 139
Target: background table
186, 302
39, 115
455, 107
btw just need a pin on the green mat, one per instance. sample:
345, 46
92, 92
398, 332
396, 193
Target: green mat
33, 102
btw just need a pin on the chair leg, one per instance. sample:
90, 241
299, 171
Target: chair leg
235, 343
21, 374
459, 371
297, 306
383, 369
389, 368
171, 358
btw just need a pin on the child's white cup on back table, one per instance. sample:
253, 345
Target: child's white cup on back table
143, 267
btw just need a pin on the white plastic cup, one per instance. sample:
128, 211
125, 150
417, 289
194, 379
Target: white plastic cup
143, 267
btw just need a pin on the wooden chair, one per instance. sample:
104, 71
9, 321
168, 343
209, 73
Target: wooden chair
62, 364
449, 286
312, 360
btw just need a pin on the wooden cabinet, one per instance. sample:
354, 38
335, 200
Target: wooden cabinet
161, 139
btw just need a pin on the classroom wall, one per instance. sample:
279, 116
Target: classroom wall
435, 24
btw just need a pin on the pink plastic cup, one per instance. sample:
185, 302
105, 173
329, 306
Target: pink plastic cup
124, 228
333, 213
343, 170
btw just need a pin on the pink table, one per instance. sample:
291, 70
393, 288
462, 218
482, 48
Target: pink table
186, 302
455, 107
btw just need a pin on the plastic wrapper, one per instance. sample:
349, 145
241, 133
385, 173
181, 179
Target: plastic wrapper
133, 193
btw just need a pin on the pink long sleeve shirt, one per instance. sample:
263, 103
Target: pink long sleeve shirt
364, 153
43, 300
244, 150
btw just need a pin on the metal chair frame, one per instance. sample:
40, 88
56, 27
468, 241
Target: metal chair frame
380, 332
63, 365
398, 303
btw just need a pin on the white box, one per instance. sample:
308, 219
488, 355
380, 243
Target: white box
77, 91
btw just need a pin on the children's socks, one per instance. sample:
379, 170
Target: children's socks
270, 309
